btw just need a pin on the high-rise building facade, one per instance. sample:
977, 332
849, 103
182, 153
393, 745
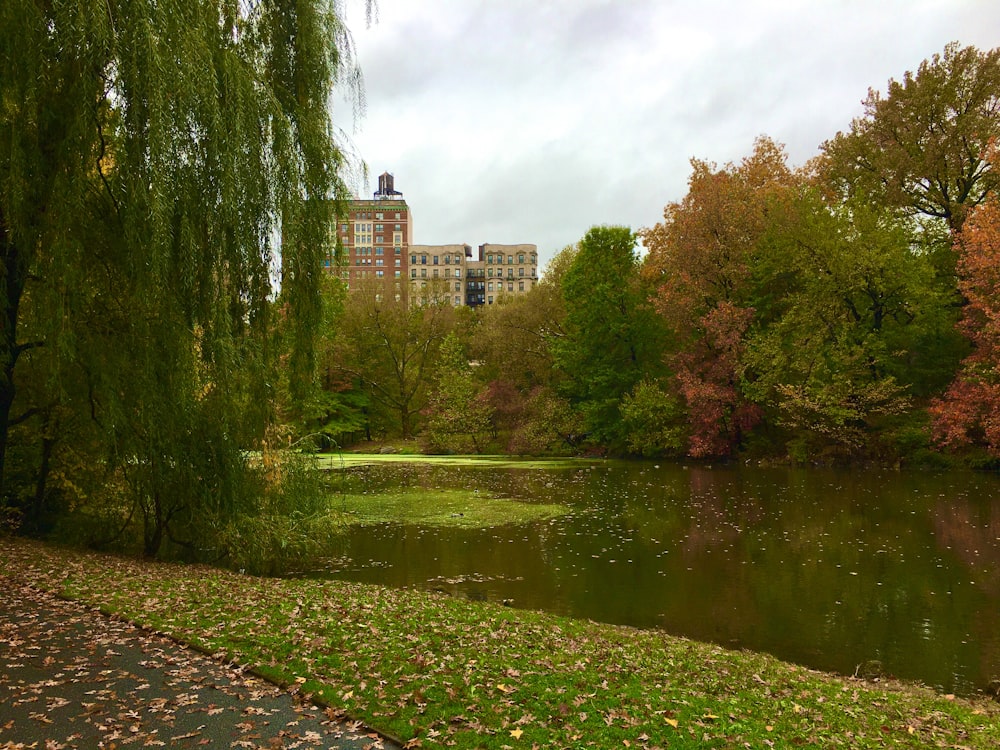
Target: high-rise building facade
504, 270
375, 237
455, 274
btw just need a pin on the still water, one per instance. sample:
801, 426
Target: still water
830, 569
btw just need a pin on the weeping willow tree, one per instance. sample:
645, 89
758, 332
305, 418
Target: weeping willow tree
162, 164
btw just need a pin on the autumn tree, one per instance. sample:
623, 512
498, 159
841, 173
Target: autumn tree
921, 146
154, 159
968, 415
700, 263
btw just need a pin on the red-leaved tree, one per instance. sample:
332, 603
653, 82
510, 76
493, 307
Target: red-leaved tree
969, 412
700, 263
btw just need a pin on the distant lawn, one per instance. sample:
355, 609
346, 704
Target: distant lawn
350, 460
441, 507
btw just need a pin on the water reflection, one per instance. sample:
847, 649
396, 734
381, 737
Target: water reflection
825, 568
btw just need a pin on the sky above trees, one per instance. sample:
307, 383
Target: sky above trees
518, 121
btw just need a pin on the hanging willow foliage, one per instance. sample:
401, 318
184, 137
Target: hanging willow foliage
163, 163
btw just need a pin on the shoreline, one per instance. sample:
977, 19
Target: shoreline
433, 669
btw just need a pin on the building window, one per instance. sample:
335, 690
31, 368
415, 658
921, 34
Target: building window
398, 274
378, 251
397, 262
423, 273
378, 227
520, 286
489, 286
510, 260
520, 271
458, 301
396, 228
435, 273
489, 258
447, 260
398, 250
413, 260
500, 259
520, 258
380, 274
435, 260
378, 215
510, 273
413, 273
458, 286
490, 273
423, 260
510, 286
490, 298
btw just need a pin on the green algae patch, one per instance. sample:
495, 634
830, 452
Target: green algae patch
442, 507
335, 461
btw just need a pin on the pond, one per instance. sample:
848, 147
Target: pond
843, 571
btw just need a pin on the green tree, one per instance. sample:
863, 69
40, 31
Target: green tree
151, 156
611, 336
458, 415
654, 420
846, 313
391, 347
921, 147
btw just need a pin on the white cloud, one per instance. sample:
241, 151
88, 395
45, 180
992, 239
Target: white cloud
527, 121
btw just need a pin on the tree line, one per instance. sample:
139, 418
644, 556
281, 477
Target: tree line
842, 310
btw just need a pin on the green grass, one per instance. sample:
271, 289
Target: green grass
437, 671
441, 507
350, 460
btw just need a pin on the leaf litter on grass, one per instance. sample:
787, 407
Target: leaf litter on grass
437, 671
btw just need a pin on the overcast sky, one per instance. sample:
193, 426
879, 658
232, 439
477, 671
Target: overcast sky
514, 121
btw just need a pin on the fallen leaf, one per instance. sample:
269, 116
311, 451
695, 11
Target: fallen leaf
516, 733
672, 722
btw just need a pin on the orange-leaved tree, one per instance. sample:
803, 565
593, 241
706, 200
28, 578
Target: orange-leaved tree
968, 415
700, 260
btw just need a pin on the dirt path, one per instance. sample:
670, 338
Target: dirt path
71, 677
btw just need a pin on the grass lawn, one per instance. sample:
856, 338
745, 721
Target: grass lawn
348, 460
437, 671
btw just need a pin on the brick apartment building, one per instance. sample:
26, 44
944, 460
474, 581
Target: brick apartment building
377, 244
375, 237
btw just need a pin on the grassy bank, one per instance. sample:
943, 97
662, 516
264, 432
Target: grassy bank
439, 671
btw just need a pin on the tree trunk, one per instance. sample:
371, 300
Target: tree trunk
45, 464
13, 281
154, 526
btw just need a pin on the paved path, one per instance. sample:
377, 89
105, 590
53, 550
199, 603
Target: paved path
72, 678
